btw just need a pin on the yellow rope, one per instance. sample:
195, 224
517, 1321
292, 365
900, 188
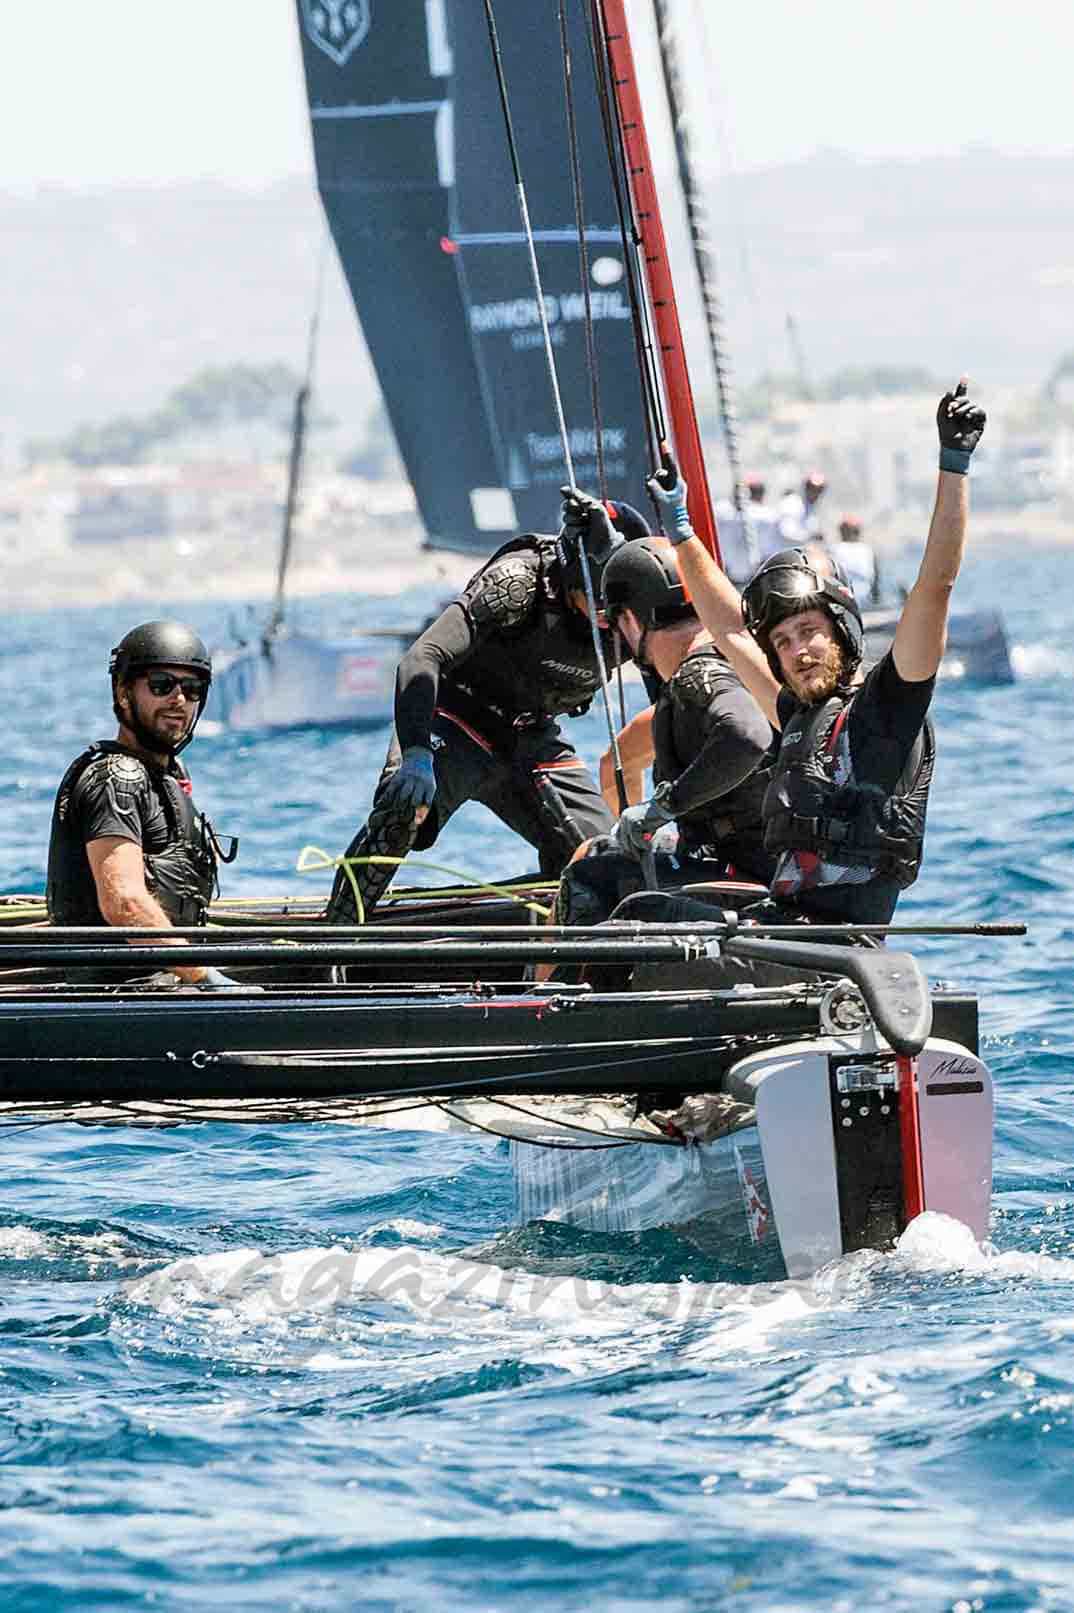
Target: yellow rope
312, 860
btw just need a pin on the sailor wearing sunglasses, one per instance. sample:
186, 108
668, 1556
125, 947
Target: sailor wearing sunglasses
128, 847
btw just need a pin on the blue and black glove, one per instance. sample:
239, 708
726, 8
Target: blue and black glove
669, 492
413, 784
637, 825
960, 425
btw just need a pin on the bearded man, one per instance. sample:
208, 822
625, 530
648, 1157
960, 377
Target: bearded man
844, 806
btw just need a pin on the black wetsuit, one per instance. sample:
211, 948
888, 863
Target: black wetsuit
709, 739
482, 688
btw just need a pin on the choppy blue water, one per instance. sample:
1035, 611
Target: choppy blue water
315, 1368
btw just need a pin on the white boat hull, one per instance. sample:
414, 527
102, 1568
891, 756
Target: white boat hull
299, 682
808, 1178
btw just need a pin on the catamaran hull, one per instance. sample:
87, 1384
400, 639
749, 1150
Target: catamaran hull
815, 1173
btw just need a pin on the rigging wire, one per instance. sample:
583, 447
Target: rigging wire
527, 230
583, 248
705, 262
535, 272
644, 345
729, 159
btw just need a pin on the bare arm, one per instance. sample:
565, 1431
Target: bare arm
636, 754
119, 875
922, 631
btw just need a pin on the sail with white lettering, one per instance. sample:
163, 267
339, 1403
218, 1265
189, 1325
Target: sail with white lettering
495, 271
378, 80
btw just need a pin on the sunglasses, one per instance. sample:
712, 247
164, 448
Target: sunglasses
165, 683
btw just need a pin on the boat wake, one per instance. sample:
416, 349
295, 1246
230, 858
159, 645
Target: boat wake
333, 1307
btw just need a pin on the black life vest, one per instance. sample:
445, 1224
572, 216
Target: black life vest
179, 847
730, 816
813, 803
538, 661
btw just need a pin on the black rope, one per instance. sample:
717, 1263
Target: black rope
583, 249
705, 262
645, 350
534, 1142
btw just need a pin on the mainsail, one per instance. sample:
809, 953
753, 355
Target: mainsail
501, 304
378, 85
413, 171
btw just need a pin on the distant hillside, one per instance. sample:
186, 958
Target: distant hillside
109, 299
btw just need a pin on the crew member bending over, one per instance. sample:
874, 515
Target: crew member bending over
476, 702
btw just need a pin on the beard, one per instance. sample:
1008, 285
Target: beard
814, 684
158, 730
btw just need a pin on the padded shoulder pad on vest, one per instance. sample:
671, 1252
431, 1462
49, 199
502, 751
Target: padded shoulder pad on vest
126, 774
125, 777
699, 679
506, 593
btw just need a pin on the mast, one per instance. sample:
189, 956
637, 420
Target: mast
680, 399
298, 446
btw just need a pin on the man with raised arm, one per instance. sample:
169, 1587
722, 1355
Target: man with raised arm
844, 808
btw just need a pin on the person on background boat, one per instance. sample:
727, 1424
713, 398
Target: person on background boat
844, 807
709, 738
740, 549
857, 560
799, 518
476, 702
128, 847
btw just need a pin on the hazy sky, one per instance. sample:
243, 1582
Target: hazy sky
105, 91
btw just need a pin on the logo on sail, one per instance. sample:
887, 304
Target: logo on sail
337, 27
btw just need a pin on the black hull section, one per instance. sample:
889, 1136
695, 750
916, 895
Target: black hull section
102, 1047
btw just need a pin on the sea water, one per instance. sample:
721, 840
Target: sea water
315, 1367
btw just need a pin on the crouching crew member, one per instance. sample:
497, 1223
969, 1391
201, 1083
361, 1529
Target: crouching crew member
476, 702
844, 808
128, 846
709, 739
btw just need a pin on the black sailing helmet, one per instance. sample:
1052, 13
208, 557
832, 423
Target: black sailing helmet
792, 581
628, 524
160, 644
644, 577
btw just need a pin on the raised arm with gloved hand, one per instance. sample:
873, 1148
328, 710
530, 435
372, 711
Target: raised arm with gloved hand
921, 635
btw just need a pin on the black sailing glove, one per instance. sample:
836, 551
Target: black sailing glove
586, 516
960, 425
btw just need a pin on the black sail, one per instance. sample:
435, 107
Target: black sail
494, 266
379, 92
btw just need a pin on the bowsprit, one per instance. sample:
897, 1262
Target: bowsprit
337, 27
